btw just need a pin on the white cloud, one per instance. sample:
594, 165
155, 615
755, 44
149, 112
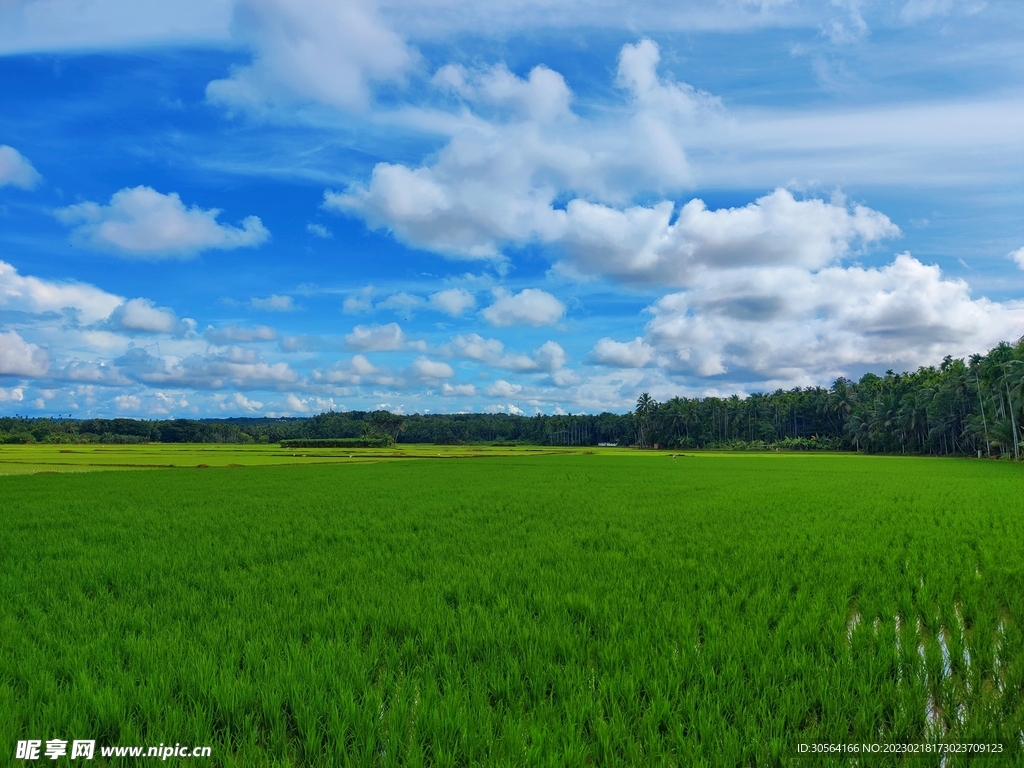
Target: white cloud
31, 294
475, 347
13, 395
273, 303
362, 366
353, 371
16, 170
799, 326
498, 179
458, 390
295, 404
57, 25
542, 96
376, 338
508, 178
303, 342
240, 401
565, 378
229, 334
316, 50
426, 369
630, 354
502, 388
20, 358
531, 306
166, 404
640, 244
402, 304
359, 302
1018, 257
550, 356
143, 223
319, 230
141, 315
232, 366
452, 301
127, 403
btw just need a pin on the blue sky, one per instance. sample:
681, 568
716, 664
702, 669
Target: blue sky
269, 208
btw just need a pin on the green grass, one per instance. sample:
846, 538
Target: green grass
576, 609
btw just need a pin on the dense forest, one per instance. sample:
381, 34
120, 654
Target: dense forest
973, 407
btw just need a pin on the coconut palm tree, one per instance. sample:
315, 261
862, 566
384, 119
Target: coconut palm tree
645, 407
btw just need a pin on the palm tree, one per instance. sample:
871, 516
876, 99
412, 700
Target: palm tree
1013, 381
860, 427
645, 407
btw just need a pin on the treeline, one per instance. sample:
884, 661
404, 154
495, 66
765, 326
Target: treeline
959, 408
970, 408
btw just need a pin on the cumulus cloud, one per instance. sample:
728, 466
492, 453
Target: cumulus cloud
630, 354
358, 302
565, 378
164, 403
273, 303
640, 244
317, 50
1018, 257
426, 369
475, 347
452, 301
402, 304
304, 342
233, 366
20, 358
376, 338
128, 403
498, 180
510, 177
804, 327
542, 95
361, 365
13, 395
502, 388
142, 315
143, 223
238, 401
294, 403
353, 371
531, 306
511, 408
234, 334
16, 170
31, 294
458, 390
548, 357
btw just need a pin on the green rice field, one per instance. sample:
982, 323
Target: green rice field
509, 607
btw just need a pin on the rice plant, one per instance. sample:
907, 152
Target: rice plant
578, 609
